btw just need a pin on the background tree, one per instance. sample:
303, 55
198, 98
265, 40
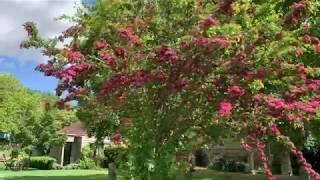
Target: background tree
31, 117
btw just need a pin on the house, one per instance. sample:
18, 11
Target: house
77, 138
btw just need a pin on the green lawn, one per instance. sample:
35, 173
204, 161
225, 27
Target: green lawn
54, 175
72, 175
101, 175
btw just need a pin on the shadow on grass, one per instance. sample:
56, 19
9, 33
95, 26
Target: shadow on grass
90, 177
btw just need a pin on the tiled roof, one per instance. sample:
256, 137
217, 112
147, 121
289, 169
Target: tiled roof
74, 129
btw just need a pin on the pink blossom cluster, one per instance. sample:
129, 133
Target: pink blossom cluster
236, 91
139, 78
120, 52
304, 163
116, 138
73, 70
264, 160
181, 84
216, 42
121, 80
73, 56
296, 13
314, 41
101, 44
48, 69
208, 22
276, 104
225, 108
129, 35
274, 130
107, 57
309, 107
166, 54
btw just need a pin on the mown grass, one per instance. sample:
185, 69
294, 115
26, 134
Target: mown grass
102, 175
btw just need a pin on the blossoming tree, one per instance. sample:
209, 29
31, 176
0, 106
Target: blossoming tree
174, 70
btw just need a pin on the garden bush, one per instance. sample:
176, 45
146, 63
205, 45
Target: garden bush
87, 163
56, 166
71, 166
116, 155
42, 162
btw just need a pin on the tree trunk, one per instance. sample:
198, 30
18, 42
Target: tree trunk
286, 168
112, 174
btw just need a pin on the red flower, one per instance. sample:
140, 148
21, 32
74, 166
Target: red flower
276, 104
73, 56
101, 44
298, 6
274, 130
140, 78
237, 91
209, 21
120, 52
129, 35
107, 58
167, 54
116, 138
181, 84
225, 108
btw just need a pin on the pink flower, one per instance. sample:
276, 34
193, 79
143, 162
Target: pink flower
116, 138
298, 6
225, 108
167, 54
241, 56
237, 91
101, 44
220, 42
120, 52
140, 78
159, 76
107, 58
274, 130
209, 21
276, 104
310, 39
129, 35
181, 84
257, 98
73, 56
302, 72
313, 84
73, 70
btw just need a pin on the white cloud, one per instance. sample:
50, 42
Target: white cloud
13, 13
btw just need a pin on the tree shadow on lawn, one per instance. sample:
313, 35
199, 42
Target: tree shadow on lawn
90, 177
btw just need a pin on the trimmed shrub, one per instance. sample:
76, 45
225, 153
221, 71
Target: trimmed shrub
56, 166
71, 166
42, 162
87, 163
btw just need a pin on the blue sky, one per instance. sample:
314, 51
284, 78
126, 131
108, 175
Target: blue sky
21, 63
27, 75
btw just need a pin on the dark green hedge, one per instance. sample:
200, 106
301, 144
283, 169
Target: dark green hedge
42, 162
